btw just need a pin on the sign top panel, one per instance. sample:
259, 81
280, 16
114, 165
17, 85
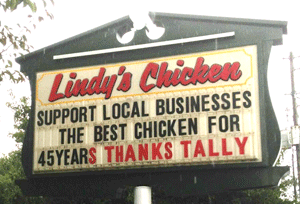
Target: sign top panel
147, 77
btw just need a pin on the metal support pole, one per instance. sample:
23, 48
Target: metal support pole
295, 114
294, 179
142, 195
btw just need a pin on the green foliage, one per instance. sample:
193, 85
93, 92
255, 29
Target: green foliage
13, 34
11, 166
21, 118
10, 170
266, 195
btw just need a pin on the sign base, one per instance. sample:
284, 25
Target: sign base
189, 183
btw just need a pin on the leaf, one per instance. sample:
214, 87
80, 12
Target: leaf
13, 4
22, 45
7, 4
15, 45
24, 38
10, 37
3, 40
49, 15
10, 63
31, 5
41, 18
7, 28
27, 30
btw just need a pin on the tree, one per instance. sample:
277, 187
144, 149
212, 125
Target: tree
13, 42
10, 166
21, 118
266, 195
14, 33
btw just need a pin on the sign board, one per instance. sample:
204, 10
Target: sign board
189, 109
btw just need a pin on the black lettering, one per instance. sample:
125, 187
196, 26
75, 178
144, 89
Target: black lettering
155, 131
144, 114
114, 135
135, 110
192, 128
104, 113
223, 123
74, 115
171, 130
247, 103
125, 111
137, 133
83, 156
74, 158
187, 104
57, 115
116, 111
105, 132
80, 134
42, 158
48, 120
162, 130
65, 114
50, 160
97, 133
179, 108
234, 122
122, 126
235, 99
211, 123
147, 129
83, 114
226, 104
40, 121
62, 135
59, 155
204, 102
216, 105
181, 127
66, 157
160, 109
92, 108
195, 104
170, 108
71, 136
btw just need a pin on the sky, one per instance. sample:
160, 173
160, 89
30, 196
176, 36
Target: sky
77, 16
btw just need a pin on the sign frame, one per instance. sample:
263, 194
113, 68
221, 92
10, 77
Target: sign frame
260, 33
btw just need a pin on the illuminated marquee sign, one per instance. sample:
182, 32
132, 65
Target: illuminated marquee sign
182, 110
